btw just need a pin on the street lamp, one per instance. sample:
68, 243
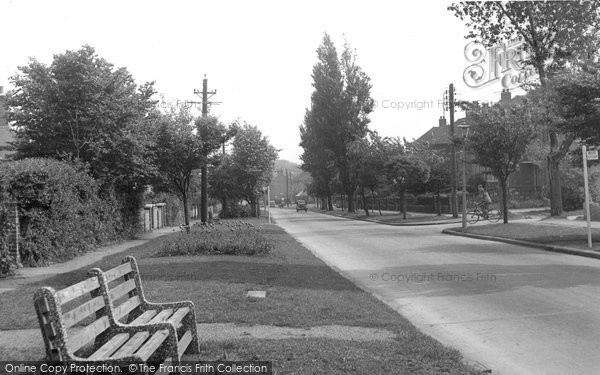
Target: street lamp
464, 178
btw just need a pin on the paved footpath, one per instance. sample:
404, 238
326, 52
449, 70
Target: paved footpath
28, 275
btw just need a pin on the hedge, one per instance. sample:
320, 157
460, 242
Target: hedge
60, 211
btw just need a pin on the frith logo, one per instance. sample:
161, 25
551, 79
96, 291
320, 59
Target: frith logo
504, 63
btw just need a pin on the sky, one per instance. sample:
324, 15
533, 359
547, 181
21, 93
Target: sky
258, 55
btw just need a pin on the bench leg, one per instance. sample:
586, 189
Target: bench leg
190, 323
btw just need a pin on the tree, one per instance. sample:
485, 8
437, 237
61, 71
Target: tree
438, 161
177, 155
317, 158
83, 108
571, 102
367, 167
367, 160
223, 185
499, 139
338, 116
253, 159
213, 134
403, 172
555, 33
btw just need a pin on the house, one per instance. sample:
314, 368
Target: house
528, 181
6, 134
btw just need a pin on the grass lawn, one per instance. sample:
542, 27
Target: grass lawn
387, 217
301, 292
540, 233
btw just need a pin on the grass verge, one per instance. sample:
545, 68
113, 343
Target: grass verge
387, 217
301, 292
547, 234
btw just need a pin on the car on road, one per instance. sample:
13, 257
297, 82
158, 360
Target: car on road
301, 205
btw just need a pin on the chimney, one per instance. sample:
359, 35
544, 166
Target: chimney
505, 96
442, 121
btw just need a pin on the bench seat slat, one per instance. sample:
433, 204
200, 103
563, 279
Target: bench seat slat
117, 272
152, 344
133, 344
82, 311
145, 317
118, 291
126, 307
110, 347
88, 333
178, 316
77, 290
162, 316
184, 342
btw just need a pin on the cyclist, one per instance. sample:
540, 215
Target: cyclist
484, 200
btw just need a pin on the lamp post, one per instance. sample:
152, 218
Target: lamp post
464, 178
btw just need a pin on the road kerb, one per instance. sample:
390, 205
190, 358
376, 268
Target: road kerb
512, 241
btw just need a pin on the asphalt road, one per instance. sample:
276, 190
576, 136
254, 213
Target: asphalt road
514, 309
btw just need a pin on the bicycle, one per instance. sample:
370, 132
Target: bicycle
477, 213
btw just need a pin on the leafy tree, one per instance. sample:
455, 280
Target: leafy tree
554, 33
317, 160
213, 135
177, 155
571, 102
404, 172
338, 116
223, 185
253, 159
499, 139
438, 161
367, 166
81, 107
368, 157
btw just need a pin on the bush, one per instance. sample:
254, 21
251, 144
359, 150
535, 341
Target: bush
6, 266
235, 211
6, 228
528, 203
573, 195
60, 211
236, 238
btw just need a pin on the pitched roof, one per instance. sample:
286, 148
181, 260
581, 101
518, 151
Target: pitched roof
440, 135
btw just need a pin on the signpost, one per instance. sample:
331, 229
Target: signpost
588, 155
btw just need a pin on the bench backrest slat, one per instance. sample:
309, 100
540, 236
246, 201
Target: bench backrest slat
82, 311
77, 290
126, 307
117, 272
87, 334
118, 291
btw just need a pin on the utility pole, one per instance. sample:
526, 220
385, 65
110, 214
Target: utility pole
287, 189
453, 178
204, 169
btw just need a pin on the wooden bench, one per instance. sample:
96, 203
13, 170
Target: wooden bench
106, 319
131, 307
79, 325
